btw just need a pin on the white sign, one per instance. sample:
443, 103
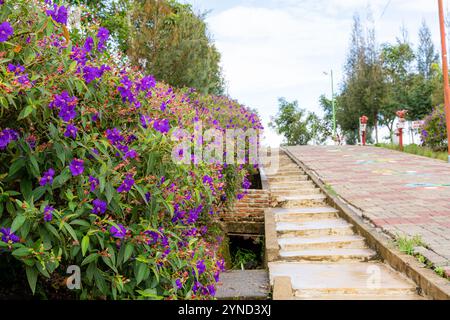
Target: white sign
417, 124
400, 125
363, 127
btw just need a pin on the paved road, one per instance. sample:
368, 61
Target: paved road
397, 192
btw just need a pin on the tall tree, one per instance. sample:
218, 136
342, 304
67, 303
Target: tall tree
298, 126
426, 53
397, 63
171, 42
363, 87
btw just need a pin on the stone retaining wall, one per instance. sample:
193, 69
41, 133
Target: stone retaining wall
247, 215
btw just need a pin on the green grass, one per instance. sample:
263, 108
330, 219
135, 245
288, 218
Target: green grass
330, 190
407, 244
243, 258
417, 150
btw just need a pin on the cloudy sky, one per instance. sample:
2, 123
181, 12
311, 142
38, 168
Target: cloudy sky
280, 48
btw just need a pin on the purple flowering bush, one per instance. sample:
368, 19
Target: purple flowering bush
86, 175
434, 131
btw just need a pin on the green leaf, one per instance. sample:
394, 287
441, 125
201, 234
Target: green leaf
52, 229
150, 293
21, 252
72, 66
38, 193
26, 189
110, 264
16, 166
60, 153
61, 179
25, 112
141, 272
84, 245
90, 258
129, 248
71, 231
18, 222
109, 192
80, 223
32, 275
34, 166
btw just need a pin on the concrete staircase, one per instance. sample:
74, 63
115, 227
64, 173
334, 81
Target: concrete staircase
319, 251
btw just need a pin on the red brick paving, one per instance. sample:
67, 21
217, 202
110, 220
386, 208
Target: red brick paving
397, 192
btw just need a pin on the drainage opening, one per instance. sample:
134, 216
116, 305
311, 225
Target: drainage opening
255, 180
247, 252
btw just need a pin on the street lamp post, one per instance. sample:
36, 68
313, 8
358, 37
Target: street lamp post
333, 106
445, 72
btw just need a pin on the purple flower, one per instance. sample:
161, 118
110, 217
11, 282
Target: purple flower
130, 154
207, 179
114, 136
47, 178
67, 113
162, 125
102, 35
6, 137
221, 264
125, 90
94, 183
59, 14
91, 73
201, 266
211, 289
99, 206
8, 236
126, 184
78, 55
118, 233
71, 131
48, 213
145, 120
66, 105
217, 276
6, 31
76, 167
88, 44
154, 236
197, 285
178, 284
17, 69
147, 83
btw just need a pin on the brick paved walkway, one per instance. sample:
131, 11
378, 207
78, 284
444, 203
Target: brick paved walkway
397, 192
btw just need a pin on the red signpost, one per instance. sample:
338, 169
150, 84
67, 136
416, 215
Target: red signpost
401, 114
363, 124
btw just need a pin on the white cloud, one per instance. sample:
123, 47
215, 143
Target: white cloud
279, 48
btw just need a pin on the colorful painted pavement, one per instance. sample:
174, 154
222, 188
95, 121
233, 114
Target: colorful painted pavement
397, 192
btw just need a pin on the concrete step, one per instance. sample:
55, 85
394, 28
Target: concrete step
314, 228
329, 255
283, 185
291, 178
304, 214
307, 200
343, 280
296, 191
326, 242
